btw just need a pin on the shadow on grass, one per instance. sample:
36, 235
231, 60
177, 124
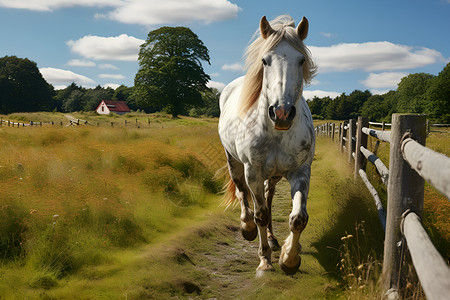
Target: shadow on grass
356, 216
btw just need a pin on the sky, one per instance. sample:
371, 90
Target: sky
357, 44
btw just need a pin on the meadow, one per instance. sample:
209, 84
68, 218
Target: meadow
126, 212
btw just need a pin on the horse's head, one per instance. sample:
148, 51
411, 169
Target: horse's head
282, 82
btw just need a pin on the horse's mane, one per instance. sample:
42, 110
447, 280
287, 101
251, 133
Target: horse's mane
284, 27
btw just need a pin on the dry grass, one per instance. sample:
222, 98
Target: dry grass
71, 196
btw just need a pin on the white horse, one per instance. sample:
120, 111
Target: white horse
267, 131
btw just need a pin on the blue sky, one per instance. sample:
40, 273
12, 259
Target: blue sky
357, 44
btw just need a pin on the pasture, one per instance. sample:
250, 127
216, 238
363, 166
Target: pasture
120, 212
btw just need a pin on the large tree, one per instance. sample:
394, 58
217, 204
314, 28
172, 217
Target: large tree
22, 87
171, 75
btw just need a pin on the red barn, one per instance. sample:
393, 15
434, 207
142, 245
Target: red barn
108, 106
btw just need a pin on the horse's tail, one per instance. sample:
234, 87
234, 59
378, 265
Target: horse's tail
229, 195
228, 189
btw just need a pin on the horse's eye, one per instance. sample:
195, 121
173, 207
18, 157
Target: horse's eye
264, 62
302, 61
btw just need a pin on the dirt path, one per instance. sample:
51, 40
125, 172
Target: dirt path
216, 262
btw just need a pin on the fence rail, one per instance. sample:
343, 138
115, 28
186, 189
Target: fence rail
410, 163
75, 122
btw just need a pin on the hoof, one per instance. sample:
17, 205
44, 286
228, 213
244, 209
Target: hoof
273, 243
251, 234
261, 272
290, 270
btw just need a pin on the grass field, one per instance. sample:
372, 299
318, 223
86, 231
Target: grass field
91, 212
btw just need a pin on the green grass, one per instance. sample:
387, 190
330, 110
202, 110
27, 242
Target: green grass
92, 212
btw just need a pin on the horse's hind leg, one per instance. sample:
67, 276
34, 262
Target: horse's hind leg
269, 192
290, 252
248, 227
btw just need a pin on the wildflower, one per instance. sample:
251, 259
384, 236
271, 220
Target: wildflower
360, 266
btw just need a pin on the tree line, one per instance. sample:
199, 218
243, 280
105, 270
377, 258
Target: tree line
171, 79
416, 93
23, 89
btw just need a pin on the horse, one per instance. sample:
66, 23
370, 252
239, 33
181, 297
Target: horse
267, 131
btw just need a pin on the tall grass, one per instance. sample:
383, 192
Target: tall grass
72, 196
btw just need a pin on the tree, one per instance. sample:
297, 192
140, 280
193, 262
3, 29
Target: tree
211, 104
62, 95
171, 74
411, 90
376, 108
93, 97
355, 102
124, 93
437, 97
74, 102
22, 87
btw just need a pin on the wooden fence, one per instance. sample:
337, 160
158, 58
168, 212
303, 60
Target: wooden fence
76, 122
410, 163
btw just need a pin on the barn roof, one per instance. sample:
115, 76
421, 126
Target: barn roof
120, 106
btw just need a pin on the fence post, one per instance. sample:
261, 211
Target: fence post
361, 140
405, 191
383, 126
333, 128
351, 133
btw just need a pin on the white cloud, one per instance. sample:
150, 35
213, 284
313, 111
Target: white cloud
50, 5
383, 80
80, 63
59, 77
373, 56
309, 95
315, 82
218, 74
122, 47
143, 12
154, 12
111, 85
217, 85
378, 92
108, 66
237, 67
112, 76
326, 34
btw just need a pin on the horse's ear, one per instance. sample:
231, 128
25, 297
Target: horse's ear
265, 28
302, 28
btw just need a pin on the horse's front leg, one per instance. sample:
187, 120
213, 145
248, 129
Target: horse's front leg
255, 181
290, 252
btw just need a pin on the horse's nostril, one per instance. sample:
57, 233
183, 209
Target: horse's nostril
272, 114
291, 114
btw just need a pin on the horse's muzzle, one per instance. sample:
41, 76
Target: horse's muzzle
282, 116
